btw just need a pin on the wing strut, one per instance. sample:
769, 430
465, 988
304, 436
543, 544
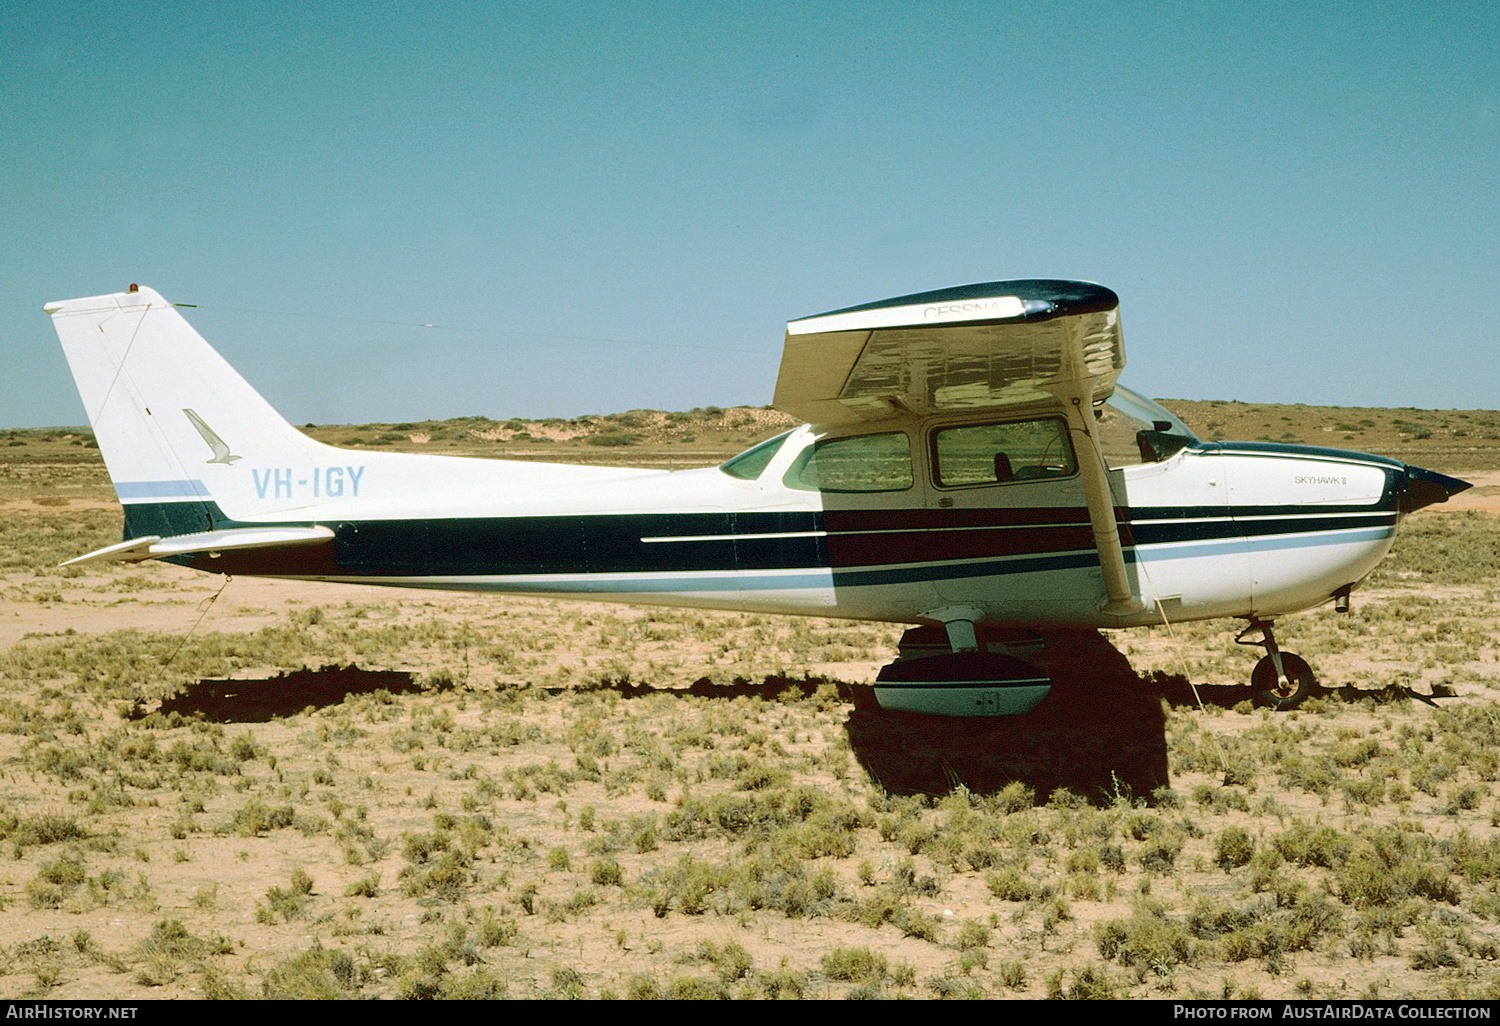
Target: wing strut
1074, 387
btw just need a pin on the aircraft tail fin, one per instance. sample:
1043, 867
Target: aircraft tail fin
173, 419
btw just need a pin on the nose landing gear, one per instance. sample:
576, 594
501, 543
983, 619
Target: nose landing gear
1281, 680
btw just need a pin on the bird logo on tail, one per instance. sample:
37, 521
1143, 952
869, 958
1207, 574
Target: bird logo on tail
215, 443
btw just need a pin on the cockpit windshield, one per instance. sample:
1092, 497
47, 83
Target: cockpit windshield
1134, 429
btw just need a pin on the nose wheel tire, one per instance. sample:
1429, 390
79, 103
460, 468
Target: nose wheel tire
1285, 690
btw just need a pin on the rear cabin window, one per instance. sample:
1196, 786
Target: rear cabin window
868, 463
979, 454
748, 465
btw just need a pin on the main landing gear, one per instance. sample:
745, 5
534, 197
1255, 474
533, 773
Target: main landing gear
1281, 680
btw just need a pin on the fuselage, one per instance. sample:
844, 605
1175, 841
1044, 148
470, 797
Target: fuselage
897, 522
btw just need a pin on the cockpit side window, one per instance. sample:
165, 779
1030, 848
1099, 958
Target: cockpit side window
751, 463
980, 454
867, 463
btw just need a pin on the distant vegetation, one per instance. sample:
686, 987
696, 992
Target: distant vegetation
1440, 439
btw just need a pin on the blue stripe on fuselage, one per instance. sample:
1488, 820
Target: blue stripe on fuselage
162, 490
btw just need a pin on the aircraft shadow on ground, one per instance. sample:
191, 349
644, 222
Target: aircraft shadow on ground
265, 699
1100, 734
1176, 691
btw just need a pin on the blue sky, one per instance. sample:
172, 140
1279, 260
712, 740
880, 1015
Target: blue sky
600, 207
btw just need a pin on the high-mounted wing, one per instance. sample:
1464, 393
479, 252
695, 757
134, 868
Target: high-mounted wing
975, 346
971, 348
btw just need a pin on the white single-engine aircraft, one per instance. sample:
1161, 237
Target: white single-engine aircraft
971, 468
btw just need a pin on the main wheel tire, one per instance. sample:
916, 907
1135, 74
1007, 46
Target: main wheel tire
1283, 692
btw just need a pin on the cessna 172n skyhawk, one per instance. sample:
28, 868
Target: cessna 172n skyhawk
971, 467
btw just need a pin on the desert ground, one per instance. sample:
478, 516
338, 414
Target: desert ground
251, 789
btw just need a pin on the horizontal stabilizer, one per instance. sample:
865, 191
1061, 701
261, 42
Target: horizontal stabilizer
231, 539
131, 551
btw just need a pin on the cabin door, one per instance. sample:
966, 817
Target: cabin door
1008, 525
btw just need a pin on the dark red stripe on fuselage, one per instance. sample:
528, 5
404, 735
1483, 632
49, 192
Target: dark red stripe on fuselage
861, 538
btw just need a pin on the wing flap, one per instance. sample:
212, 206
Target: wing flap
228, 540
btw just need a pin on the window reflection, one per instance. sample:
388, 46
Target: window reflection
867, 463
